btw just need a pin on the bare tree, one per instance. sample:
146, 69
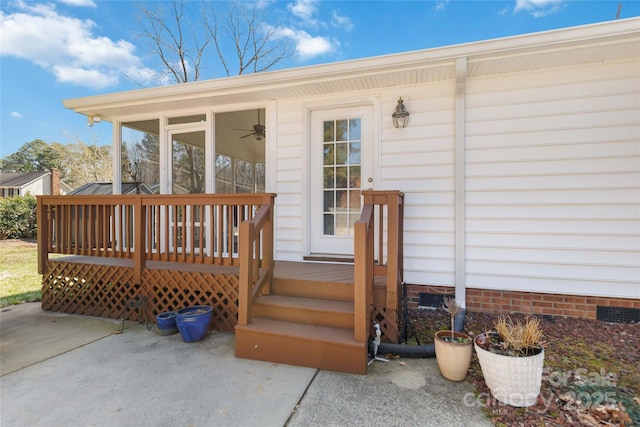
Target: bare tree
256, 45
237, 34
82, 163
180, 54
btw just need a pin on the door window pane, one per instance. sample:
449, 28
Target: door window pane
342, 176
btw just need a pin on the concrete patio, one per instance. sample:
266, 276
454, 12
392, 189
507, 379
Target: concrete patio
66, 370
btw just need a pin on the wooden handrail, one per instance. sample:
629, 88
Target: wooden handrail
373, 258
256, 251
363, 275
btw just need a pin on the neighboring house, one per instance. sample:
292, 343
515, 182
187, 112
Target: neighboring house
520, 163
105, 188
33, 183
65, 188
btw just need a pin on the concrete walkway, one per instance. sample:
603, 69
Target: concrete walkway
65, 370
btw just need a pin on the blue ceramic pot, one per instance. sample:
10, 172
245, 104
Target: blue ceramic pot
193, 322
166, 323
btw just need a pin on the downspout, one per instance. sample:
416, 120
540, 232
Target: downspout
460, 175
428, 350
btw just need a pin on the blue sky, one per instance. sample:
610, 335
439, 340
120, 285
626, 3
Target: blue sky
50, 51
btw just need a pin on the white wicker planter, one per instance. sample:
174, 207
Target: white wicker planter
512, 380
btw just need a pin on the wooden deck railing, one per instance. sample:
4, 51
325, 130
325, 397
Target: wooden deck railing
256, 250
194, 228
377, 252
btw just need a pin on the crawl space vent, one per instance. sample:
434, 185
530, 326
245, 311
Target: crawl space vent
430, 301
618, 314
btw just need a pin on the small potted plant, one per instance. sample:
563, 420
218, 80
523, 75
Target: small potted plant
511, 359
453, 349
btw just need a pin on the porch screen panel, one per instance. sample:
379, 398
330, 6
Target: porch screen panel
188, 163
224, 174
141, 155
188, 177
341, 175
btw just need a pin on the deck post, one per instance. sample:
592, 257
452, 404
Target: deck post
139, 254
392, 247
363, 275
395, 203
244, 279
42, 219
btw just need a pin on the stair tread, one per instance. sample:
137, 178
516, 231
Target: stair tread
301, 330
306, 303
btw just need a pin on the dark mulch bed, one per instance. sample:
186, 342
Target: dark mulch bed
591, 370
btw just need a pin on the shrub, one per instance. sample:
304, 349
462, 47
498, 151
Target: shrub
18, 217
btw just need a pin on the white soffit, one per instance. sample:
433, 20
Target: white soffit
610, 41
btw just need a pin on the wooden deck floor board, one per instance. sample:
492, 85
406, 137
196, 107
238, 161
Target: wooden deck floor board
314, 271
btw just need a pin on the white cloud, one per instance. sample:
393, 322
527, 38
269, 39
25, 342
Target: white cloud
68, 48
80, 3
307, 46
539, 8
16, 115
303, 9
84, 77
340, 21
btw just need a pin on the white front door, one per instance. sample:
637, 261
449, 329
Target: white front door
341, 166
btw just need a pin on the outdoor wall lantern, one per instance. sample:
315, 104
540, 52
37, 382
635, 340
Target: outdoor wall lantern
400, 115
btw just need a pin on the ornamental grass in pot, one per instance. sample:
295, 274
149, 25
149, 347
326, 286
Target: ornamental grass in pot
453, 349
511, 359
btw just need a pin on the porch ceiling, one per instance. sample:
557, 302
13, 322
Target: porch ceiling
609, 41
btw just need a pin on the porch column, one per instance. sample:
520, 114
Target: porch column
460, 151
116, 160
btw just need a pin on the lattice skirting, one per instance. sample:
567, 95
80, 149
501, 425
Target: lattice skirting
108, 291
388, 321
171, 290
90, 290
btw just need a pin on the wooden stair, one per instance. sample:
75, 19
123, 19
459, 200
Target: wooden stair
304, 323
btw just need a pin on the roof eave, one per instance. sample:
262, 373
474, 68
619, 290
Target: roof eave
442, 56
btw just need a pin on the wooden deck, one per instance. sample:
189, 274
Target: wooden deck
159, 253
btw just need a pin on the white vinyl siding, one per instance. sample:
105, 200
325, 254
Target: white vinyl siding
39, 187
419, 161
553, 181
290, 146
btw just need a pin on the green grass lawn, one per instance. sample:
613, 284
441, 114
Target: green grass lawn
19, 278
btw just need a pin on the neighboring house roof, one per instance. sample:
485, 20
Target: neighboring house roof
19, 179
606, 41
106, 188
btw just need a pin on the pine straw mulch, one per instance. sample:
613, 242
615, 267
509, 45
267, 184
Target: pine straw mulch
591, 371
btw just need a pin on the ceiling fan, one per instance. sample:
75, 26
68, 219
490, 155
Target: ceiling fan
258, 130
